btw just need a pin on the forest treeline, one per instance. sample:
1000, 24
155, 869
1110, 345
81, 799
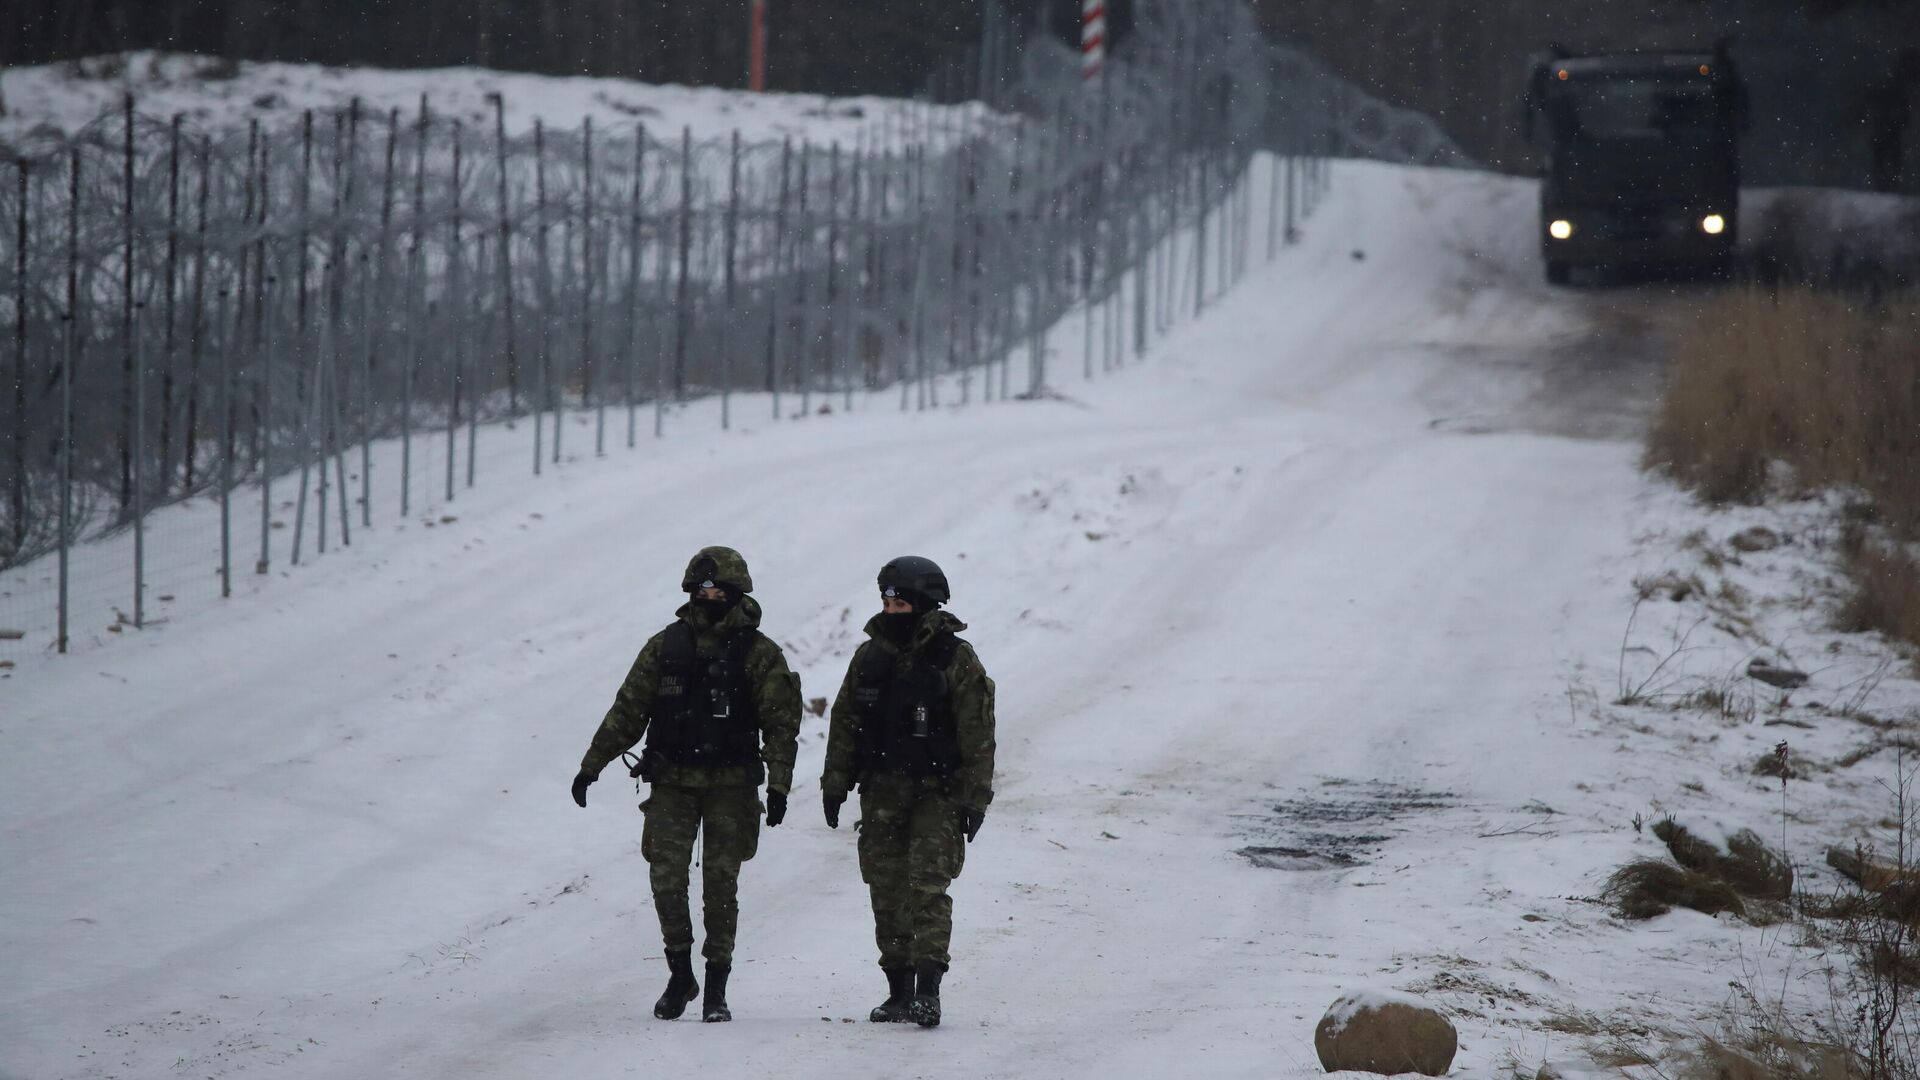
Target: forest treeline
823, 46
1814, 64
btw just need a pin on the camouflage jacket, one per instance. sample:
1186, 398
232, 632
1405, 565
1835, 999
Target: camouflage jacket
776, 693
971, 699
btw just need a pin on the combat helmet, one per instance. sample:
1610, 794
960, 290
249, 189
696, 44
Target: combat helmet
721, 566
916, 579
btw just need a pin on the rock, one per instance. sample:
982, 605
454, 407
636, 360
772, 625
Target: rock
1892, 891
1386, 1034
1784, 678
1747, 863
1757, 538
1869, 872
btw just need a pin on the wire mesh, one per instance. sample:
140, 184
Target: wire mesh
331, 324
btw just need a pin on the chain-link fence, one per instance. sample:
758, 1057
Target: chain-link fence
311, 324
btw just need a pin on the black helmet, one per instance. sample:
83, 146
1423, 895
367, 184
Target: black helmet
917, 579
717, 566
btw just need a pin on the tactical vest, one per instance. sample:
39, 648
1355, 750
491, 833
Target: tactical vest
905, 717
704, 712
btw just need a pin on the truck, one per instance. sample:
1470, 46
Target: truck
1641, 160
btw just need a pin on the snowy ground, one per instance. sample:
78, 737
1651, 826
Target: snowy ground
1306, 631
214, 95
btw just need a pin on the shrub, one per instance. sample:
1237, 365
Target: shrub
1648, 887
1825, 384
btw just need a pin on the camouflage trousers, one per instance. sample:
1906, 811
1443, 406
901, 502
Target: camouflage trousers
728, 822
911, 849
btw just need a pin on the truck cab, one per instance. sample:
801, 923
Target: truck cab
1642, 163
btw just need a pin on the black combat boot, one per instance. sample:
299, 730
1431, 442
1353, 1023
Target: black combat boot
898, 1008
926, 995
713, 1009
681, 987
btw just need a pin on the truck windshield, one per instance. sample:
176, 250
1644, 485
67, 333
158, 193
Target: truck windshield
1667, 109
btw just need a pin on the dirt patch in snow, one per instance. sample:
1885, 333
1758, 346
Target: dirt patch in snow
1341, 825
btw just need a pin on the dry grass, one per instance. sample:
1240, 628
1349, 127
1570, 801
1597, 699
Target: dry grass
1886, 589
1819, 382
1748, 865
1648, 887
1768, 1057
1813, 379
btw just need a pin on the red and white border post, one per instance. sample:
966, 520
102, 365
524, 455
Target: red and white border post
1093, 38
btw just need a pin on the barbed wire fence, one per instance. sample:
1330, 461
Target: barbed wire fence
318, 324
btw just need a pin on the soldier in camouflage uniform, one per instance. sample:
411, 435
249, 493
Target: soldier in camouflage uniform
913, 728
720, 712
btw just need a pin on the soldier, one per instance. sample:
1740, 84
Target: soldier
716, 702
913, 727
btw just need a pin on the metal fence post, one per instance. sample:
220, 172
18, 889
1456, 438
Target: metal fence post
1200, 239
830, 300
731, 228
266, 333
170, 282
303, 386
197, 323
343, 191
589, 370
125, 434
776, 302
635, 261
476, 382
139, 471
1142, 261
66, 395
803, 312
683, 313
918, 305
663, 264
226, 411
374, 291
1273, 206
416, 286
506, 248
456, 272
543, 370
17, 486
854, 291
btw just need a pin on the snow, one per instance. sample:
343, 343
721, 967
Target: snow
1715, 829
1338, 567
1354, 1002
213, 95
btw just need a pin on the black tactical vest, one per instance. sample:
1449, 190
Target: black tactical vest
905, 716
704, 713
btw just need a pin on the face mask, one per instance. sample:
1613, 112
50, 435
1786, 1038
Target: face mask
898, 625
713, 609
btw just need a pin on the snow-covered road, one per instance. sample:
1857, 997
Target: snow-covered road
1313, 578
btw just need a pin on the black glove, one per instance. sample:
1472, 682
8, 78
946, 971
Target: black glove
970, 820
832, 803
580, 782
776, 808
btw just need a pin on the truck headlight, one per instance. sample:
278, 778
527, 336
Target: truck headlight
1713, 224
1560, 229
